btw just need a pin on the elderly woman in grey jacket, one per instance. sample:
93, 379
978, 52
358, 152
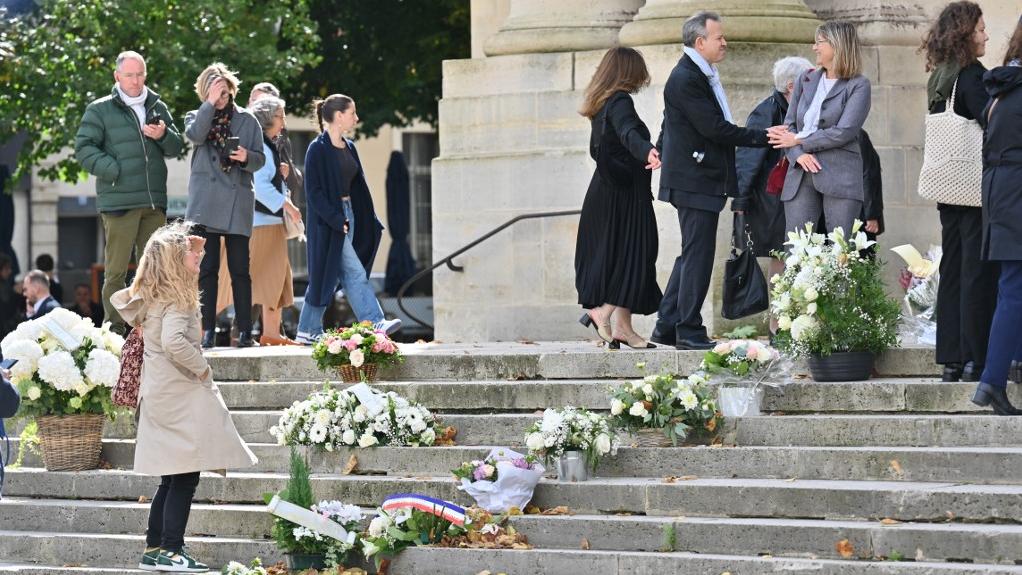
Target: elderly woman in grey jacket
221, 198
821, 134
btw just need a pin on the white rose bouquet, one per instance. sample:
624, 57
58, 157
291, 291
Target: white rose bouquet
831, 298
66, 365
358, 416
679, 407
572, 429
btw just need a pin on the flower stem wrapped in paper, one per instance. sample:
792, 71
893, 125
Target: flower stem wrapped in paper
740, 368
920, 280
504, 479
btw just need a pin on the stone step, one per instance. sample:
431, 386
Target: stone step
79, 550
957, 464
880, 395
824, 429
509, 360
980, 543
791, 498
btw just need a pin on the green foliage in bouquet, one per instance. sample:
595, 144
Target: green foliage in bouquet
390, 533
678, 407
831, 298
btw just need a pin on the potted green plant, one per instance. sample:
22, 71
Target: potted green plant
831, 305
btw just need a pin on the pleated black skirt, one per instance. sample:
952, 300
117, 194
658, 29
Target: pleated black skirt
616, 249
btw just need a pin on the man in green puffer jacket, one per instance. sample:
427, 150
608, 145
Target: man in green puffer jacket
123, 141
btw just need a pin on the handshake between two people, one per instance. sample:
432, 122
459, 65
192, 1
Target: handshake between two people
782, 138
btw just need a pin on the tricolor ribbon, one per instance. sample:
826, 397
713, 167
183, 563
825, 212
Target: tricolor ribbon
439, 507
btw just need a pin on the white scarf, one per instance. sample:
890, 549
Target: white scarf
714, 77
137, 104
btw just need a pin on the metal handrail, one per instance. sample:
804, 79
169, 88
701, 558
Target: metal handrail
448, 261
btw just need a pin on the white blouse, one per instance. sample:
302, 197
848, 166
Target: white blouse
812, 118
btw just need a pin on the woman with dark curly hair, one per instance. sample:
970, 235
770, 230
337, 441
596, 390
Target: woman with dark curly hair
968, 285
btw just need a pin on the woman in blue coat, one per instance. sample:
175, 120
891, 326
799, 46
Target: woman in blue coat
342, 229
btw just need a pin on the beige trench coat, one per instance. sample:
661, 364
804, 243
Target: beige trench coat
183, 423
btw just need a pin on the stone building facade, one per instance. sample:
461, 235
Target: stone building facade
512, 142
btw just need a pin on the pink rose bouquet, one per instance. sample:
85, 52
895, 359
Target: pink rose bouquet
356, 345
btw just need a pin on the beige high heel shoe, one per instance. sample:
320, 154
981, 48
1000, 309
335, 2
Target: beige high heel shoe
602, 330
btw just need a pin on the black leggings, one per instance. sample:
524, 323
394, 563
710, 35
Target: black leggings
241, 280
168, 514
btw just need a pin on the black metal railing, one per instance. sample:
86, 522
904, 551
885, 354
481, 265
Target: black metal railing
449, 260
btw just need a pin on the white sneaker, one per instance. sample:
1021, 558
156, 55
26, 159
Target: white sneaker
303, 338
388, 325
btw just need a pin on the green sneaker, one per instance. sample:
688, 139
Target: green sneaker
149, 558
179, 562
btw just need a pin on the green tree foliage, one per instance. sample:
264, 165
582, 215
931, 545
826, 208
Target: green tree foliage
56, 60
387, 55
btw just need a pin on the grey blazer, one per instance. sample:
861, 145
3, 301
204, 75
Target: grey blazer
222, 201
835, 143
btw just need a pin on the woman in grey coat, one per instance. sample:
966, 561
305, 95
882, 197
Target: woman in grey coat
221, 198
821, 134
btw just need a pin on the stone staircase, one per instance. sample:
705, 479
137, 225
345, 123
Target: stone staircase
896, 475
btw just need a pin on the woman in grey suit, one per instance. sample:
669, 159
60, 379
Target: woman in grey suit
821, 134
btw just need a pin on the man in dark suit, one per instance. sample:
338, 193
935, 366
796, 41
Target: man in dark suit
38, 301
697, 143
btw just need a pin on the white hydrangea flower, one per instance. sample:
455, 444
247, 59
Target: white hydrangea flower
102, 368
59, 370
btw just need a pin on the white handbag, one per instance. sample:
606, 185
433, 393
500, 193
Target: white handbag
295, 229
952, 171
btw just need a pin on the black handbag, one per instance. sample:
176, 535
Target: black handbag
745, 288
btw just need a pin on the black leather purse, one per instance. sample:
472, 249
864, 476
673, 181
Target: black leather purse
745, 288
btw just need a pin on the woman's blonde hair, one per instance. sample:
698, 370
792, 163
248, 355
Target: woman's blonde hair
847, 51
621, 70
162, 275
210, 75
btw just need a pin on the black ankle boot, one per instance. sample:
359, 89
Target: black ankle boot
245, 339
971, 372
209, 339
995, 397
952, 372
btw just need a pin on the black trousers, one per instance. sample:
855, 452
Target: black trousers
967, 292
241, 281
690, 279
169, 512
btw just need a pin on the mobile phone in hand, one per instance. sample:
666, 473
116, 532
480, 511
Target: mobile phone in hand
233, 142
8, 363
154, 121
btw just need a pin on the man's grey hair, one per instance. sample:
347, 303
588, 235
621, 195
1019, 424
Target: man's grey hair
39, 278
266, 88
787, 70
695, 27
265, 109
129, 55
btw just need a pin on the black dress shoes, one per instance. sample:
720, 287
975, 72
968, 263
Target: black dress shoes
660, 339
209, 339
245, 339
971, 372
697, 342
995, 397
952, 372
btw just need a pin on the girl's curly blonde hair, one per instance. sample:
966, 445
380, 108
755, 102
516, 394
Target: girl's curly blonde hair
162, 275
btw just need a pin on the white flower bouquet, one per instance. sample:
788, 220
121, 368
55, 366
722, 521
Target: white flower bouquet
65, 365
680, 407
503, 480
357, 416
830, 297
572, 429
921, 280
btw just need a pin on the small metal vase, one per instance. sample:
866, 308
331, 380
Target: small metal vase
571, 466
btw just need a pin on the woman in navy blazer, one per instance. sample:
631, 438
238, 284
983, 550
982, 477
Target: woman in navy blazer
343, 231
821, 135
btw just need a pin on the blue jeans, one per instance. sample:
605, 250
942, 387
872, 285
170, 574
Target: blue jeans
1004, 343
355, 284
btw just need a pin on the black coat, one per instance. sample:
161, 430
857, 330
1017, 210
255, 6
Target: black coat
764, 213
872, 182
1002, 166
694, 124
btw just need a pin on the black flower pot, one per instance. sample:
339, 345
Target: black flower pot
842, 366
300, 562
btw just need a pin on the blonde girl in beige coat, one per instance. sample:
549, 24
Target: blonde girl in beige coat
184, 426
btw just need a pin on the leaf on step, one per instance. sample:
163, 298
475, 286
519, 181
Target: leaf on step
670, 479
889, 521
532, 510
525, 341
350, 466
559, 510
143, 499
920, 556
514, 510
845, 548
896, 468
484, 572
520, 546
792, 479
585, 544
446, 437
689, 477
950, 515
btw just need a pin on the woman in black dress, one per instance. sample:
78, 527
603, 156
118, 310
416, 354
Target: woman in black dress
615, 255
